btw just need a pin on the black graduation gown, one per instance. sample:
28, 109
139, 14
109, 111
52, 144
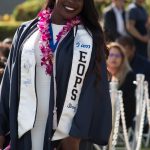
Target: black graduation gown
92, 121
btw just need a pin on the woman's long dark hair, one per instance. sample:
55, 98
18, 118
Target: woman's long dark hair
90, 20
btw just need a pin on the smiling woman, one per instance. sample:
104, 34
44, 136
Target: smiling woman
54, 93
64, 10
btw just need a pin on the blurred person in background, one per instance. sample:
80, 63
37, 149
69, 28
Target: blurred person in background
121, 71
4, 52
2, 67
4, 49
138, 63
8, 41
1, 49
3, 60
137, 25
114, 20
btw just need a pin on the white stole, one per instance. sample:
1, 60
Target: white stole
83, 45
27, 103
80, 63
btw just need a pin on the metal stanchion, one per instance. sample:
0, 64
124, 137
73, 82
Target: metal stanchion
123, 120
115, 114
139, 99
146, 136
142, 105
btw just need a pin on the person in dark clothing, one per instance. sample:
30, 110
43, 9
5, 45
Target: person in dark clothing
137, 23
121, 71
128, 89
114, 20
138, 63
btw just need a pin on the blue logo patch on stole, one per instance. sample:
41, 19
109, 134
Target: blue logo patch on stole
78, 44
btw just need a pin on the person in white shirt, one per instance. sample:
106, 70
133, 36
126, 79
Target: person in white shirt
114, 20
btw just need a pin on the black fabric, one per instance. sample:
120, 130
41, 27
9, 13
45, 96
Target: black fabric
140, 16
141, 65
85, 145
129, 100
94, 107
110, 24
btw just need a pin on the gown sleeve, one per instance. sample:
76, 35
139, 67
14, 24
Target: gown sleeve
93, 119
5, 92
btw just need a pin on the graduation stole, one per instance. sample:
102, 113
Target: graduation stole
82, 50
80, 63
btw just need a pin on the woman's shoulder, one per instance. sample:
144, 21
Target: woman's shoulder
131, 74
28, 23
130, 77
19, 34
128, 82
20, 30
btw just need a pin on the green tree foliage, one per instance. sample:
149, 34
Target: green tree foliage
27, 10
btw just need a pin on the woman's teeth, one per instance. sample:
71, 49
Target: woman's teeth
69, 8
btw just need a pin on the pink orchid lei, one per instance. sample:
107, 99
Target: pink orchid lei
43, 25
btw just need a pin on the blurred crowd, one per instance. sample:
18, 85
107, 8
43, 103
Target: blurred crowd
127, 33
5, 46
126, 30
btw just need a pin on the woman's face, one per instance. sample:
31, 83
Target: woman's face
68, 9
119, 3
114, 58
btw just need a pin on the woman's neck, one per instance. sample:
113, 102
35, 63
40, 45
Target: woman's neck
57, 19
113, 71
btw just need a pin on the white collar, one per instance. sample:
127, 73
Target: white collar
116, 9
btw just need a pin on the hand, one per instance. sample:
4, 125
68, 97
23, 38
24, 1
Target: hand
70, 143
2, 141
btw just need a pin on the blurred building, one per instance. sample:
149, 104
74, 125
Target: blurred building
7, 6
